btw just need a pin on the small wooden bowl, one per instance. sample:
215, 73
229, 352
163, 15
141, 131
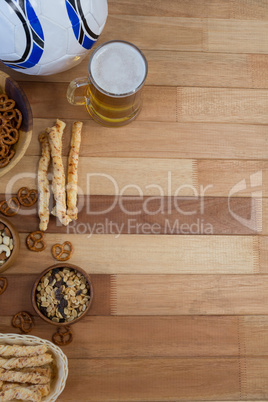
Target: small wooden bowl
61, 266
12, 89
16, 244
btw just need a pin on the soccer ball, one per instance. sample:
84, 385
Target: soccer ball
42, 37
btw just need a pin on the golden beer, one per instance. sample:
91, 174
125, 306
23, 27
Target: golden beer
116, 74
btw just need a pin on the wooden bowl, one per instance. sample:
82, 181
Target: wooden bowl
16, 244
61, 266
12, 89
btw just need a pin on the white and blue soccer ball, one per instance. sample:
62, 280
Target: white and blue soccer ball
42, 37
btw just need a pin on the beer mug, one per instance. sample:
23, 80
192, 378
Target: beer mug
116, 74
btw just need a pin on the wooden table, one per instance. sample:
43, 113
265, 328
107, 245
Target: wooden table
180, 307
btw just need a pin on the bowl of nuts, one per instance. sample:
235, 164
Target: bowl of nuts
62, 294
9, 244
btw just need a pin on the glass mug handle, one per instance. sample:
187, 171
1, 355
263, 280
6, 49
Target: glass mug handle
74, 99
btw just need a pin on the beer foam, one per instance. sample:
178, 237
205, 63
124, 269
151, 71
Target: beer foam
118, 68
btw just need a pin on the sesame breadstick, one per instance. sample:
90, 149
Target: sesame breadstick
21, 393
73, 170
21, 362
22, 377
44, 389
58, 182
43, 183
21, 351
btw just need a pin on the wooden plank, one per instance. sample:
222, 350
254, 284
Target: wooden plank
253, 335
234, 36
229, 9
115, 254
115, 176
160, 336
188, 34
237, 178
191, 69
153, 379
263, 257
184, 69
222, 105
189, 294
51, 106
134, 337
163, 140
12, 303
163, 215
167, 177
183, 8
193, 104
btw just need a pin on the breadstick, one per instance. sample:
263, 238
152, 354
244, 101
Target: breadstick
44, 370
22, 393
21, 351
44, 389
21, 362
10, 385
58, 182
22, 377
73, 170
43, 183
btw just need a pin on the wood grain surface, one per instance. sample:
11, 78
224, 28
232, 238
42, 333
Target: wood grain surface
173, 211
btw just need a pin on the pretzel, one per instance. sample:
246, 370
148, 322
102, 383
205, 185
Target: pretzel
35, 241
23, 321
26, 197
63, 254
10, 207
8, 116
6, 103
5, 161
4, 149
17, 119
63, 336
3, 285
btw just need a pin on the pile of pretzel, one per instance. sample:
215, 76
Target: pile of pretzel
10, 123
25, 372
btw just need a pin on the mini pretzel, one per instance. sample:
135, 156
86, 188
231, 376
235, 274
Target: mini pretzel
5, 161
27, 197
3, 149
3, 285
6, 103
63, 336
35, 241
62, 252
10, 207
17, 119
9, 136
23, 321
